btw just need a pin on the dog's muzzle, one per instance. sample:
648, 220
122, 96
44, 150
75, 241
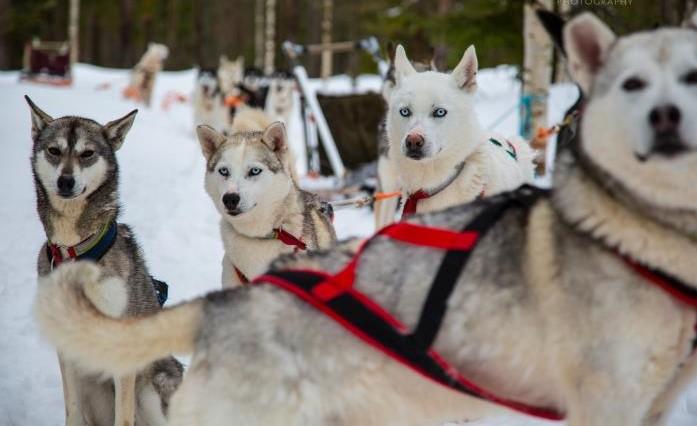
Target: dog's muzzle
665, 122
414, 146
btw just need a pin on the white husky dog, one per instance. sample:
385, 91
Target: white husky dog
443, 155
251, 179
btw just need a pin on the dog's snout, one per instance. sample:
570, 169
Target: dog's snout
414, 141
65, 184
665, 118
231, 200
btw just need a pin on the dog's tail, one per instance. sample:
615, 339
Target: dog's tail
69, 309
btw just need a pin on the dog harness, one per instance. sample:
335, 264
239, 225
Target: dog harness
94, 248
336, 296
277, 234
414, 198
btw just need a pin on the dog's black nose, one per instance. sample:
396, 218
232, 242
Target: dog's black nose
665, 118
65, 184
231, 200
414, 144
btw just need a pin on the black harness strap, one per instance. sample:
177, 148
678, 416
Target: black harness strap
371, 323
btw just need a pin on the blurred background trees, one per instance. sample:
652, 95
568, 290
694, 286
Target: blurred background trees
114, 33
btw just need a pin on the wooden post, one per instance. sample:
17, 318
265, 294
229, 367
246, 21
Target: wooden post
270, 42
561, 73
74, 30
537, 70
326, 64
259, 33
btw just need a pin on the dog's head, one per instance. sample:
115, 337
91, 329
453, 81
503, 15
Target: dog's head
641, 94
230, 73
429, 111
246, 170
74, 156
207, 81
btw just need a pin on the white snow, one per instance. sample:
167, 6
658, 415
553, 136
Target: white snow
164, 201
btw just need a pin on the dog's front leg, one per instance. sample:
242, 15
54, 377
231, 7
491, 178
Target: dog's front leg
125, 399
73, 416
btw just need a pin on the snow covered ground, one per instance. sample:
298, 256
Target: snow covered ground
164, 201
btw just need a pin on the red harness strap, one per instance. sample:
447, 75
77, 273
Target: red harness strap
283, 236
335, 296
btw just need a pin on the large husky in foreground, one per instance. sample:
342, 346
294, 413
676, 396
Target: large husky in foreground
76, 179
556, 307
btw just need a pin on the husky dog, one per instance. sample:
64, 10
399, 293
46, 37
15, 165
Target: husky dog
144, 73
388, 178
76, 178
250, 176
209, 101
560, 303
443, 155
230, 73
279, 99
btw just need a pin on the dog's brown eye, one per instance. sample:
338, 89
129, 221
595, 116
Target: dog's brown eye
87, 154
633, 83
690, 77
54, 151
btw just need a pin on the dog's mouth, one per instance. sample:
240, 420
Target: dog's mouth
666, 144
69, 195
238, 211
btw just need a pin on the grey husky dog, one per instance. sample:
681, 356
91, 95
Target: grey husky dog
76, 179
578, 300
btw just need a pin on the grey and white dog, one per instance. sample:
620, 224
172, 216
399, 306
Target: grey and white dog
547, 310
76, 180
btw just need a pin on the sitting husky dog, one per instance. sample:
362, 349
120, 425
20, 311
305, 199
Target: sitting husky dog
582, 300
250, 176
144, 73
208, 101
76, 178
442, 154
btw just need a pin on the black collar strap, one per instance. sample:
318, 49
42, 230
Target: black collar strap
335, 296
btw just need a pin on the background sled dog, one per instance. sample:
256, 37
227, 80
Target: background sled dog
250, 176
560, 303
443, 155
76, 179
209, 101
145, 72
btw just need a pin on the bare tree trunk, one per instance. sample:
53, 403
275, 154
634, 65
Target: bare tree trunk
326, 64
125, 31
74, 30
561, 73
440, 50
259, 33
4, 25
537, 69
270, 33
198, 32
689, 10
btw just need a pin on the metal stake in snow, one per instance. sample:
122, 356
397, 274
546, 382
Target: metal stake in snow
325, 134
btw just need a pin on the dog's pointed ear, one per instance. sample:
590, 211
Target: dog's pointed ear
402, 66
465, 73
39, 119
275, 137
587, 41
209, 140
116, 130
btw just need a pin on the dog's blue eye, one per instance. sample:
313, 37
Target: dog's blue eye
254, 171
439, 112
224, 171
404, 112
